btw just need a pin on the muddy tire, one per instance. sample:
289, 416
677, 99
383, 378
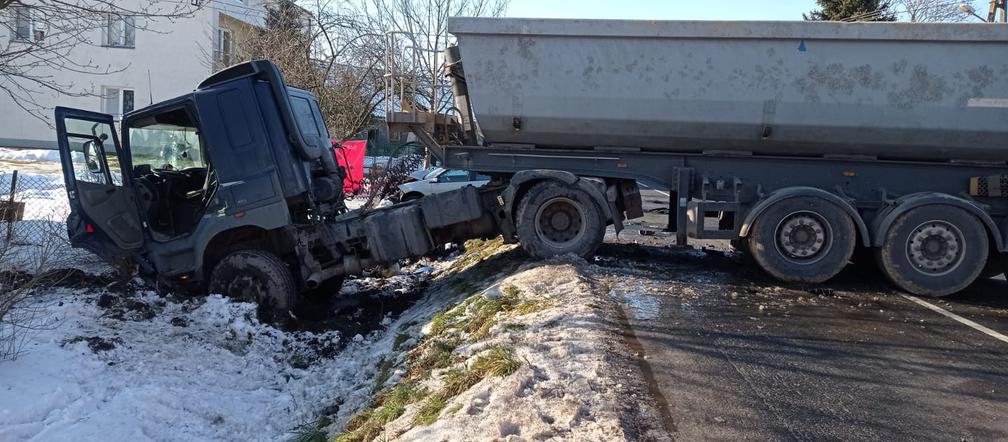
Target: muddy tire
556, 219
257, 276
934, 250
803, 239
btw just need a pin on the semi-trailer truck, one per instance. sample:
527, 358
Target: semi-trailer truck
801, 142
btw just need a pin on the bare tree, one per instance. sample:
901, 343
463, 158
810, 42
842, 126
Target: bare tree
931, 11
416, 34
26, 270
323, 51
47, 36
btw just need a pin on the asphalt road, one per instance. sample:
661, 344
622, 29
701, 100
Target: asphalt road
731, 354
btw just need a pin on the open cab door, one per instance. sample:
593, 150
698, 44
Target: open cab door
103, 213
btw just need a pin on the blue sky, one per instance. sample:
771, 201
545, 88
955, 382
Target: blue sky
663, 10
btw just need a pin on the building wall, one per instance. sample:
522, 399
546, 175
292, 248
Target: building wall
167, 60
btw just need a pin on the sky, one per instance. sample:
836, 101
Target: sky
663, 10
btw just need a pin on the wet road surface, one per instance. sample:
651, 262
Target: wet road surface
734, 355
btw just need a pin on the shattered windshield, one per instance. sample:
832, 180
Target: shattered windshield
166, 147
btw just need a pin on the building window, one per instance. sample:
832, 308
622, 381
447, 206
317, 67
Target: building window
120, 31
117, 101
224, 52
21, 23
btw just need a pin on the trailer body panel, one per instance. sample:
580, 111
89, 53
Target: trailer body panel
894, 90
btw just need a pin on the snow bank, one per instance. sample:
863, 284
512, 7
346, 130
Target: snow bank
154, 368
29, 155
570, 384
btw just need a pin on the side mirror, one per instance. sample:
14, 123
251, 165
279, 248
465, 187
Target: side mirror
92, 157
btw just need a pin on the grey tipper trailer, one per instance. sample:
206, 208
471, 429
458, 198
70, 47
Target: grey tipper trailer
803, 142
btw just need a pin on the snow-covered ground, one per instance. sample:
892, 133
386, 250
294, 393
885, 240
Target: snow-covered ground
145, 367
29, 155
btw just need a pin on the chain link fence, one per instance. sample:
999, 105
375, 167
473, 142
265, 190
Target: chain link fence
33, 207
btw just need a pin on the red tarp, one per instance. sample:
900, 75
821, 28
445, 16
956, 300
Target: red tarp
351, 156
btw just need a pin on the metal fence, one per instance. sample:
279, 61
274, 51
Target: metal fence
33, 206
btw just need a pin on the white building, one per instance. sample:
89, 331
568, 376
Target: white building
154, 61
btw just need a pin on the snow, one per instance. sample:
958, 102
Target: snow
29, 155
199, 369
40, 238
44, 195
568, 386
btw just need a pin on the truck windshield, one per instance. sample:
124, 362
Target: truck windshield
166, 147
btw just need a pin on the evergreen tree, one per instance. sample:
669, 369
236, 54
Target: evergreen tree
853, 10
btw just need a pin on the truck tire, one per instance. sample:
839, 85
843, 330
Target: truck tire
803, 239
934, 250
556, 219
257, 276
995, 266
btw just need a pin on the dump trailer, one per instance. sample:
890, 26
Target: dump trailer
802, 142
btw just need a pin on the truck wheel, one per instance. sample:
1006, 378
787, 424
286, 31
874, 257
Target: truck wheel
803, 239
555, 219
934, 250
995, 267
257, 276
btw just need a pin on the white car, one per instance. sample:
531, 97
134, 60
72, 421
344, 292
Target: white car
441, 180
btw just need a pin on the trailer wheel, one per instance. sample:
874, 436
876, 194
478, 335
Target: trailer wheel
257, 276
934, 250
803, 239
555, 219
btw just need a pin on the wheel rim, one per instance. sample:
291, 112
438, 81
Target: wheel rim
560, 222
935, 248
804, 237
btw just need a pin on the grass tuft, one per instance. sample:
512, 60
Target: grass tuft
458, 380
433, 355
312, 432
499, 361
430, 410
368, 424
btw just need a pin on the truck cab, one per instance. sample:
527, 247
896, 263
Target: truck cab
186, 181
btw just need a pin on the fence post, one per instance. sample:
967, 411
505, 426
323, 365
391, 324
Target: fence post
10, 222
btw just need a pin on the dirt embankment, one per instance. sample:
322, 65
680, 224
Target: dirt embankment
532, 353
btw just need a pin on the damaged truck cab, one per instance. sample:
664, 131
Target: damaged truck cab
234, 189
224, 170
